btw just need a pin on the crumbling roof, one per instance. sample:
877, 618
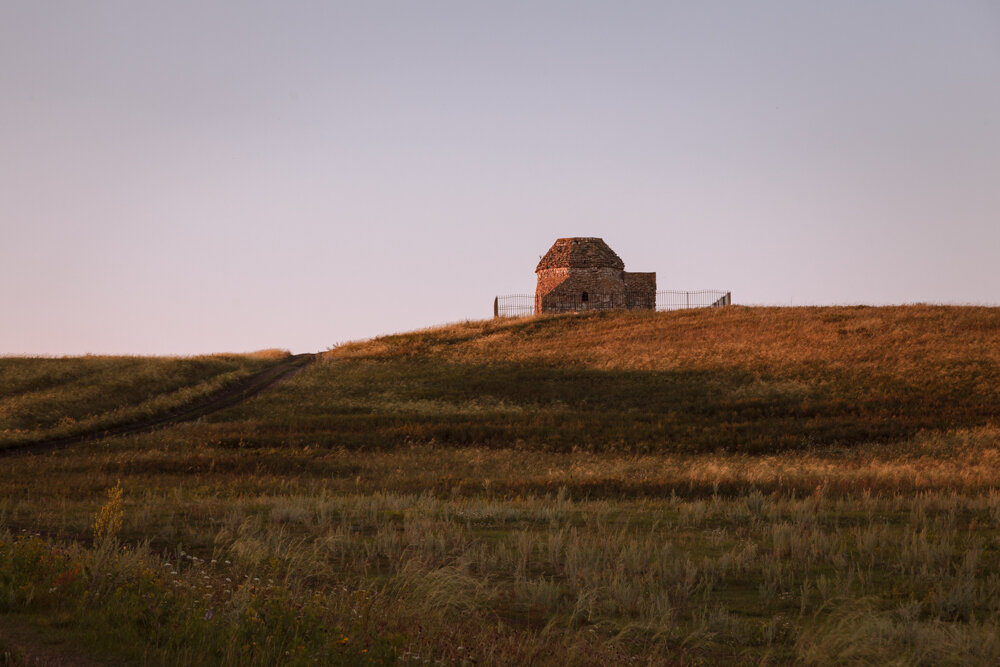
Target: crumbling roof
580, 253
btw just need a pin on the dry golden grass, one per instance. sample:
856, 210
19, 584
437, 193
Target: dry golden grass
270, 354
749, 380
903, 339
506, 556
564, 490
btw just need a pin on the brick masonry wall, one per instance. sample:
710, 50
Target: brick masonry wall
641, 290
583, 273
562, 289
580, 252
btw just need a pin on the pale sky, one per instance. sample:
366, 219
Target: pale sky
193, 177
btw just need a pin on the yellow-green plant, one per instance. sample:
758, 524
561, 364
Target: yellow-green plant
109, 518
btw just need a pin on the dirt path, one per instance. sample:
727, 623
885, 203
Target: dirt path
224, 398
24, 642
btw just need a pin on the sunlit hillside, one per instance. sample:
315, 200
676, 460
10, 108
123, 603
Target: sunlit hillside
721, 486
752, 380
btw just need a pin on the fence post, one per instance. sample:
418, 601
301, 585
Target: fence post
496, 306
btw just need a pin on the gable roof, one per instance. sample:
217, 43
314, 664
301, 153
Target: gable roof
580, 252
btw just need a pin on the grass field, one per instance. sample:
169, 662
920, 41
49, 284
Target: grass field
723, 486
52, 397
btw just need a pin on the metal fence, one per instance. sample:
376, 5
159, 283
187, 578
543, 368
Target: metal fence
514, 305
520, 305
707, 298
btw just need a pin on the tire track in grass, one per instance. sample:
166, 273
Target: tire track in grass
227, 397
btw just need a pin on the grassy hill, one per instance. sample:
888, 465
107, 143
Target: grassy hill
51, 397
721, 486
752, 380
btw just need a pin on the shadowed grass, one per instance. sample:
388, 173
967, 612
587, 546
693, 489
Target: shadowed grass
747, 380
44, 398
729, 486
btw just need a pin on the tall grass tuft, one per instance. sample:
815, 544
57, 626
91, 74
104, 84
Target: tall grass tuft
108, 521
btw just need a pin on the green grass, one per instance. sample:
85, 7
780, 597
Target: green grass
44, 398
728, 486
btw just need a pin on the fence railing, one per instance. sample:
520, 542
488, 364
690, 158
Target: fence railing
708, 298
514, 305
520, 305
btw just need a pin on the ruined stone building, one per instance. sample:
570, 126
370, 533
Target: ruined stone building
583, 273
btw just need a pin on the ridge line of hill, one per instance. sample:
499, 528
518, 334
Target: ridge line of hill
225, 397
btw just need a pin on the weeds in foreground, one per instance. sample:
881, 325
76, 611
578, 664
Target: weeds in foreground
731, 579
129, 604
392, 505
108, 521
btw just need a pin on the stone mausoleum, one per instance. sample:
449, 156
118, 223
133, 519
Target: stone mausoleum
583, 273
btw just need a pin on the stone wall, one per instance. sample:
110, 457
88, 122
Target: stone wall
640, 290
583, 273
580, 252
579, 289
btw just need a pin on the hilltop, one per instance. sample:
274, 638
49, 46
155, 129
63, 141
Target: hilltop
752, 380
